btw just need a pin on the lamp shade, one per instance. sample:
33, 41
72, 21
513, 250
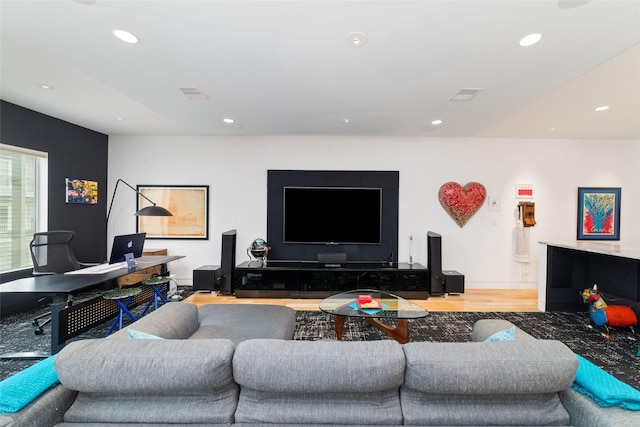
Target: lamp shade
153, 211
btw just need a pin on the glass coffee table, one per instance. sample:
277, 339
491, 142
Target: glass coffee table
390, 306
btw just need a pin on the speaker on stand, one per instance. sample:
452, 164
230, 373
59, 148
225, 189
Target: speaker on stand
228, 262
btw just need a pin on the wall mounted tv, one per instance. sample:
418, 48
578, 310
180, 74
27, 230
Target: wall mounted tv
315, 212
332, 215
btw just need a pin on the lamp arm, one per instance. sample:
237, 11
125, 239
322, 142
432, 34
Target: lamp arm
131, 187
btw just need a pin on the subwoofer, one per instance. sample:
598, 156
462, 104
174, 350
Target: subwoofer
206, 278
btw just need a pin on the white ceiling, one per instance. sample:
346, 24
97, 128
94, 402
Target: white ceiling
285, 67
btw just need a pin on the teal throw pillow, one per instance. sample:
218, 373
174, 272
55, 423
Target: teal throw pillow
138, 335
19, 390
605, 389
506, 335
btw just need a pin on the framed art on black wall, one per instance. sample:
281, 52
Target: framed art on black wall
598, 213
189, 205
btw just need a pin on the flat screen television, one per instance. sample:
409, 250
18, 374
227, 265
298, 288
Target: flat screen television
332, 215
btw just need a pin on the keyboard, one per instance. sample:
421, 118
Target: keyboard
99, 269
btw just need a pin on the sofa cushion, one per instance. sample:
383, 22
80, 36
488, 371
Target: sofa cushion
319, 382
46, 410
537, 366
170, 381
241, 322
585, 412
448, 383
175, 320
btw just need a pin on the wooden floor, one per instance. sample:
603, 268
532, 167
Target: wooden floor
471, 300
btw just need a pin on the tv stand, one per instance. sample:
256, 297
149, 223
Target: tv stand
310, 279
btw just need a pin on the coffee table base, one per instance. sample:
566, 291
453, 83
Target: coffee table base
400, 333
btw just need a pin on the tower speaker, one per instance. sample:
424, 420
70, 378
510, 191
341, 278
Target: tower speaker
228, 262
434, 262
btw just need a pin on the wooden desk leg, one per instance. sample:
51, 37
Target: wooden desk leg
400, 333
338, 325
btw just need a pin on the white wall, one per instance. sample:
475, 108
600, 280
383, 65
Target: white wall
235, 168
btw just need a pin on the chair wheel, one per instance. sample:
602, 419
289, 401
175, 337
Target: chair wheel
38, 332
35, 323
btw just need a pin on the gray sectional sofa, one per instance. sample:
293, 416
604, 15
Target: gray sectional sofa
274, 381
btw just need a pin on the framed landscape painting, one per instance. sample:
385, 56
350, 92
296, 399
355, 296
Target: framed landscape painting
598, 213
189, 205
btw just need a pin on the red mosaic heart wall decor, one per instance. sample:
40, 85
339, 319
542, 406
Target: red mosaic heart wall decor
462, 202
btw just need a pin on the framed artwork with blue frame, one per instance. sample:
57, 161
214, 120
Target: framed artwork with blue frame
598, 213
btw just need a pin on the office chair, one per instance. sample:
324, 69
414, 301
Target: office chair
51, 253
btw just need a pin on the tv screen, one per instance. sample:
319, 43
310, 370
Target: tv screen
332, 215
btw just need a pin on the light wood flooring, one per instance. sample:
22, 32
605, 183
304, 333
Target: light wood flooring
472, 300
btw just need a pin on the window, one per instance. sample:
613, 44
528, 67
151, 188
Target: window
23, 204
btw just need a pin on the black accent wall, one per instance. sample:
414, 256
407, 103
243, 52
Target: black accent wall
388, 181
74, 152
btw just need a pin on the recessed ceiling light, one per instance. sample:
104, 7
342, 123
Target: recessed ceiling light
356, 39
125, 36
346, 121
228, 121
530, 40
436, 122
44, 86
119, 119
602, 108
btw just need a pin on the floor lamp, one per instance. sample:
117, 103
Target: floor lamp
146, 211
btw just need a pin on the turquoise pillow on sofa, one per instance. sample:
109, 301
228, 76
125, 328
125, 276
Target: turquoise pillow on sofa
19, 390
506, 335
139, 335
605, 389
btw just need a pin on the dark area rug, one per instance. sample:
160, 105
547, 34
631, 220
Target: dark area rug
616, 354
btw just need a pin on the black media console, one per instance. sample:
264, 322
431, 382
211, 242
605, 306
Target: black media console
308, 279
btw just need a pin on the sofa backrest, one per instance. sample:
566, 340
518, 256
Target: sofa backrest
486, 383
149, 381
319, 382
170, 321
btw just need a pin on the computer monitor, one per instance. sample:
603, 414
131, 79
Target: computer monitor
127, 243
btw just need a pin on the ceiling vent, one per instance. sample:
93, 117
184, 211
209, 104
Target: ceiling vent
465, 94
193, 93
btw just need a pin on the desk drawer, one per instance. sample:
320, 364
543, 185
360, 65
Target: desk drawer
138, 276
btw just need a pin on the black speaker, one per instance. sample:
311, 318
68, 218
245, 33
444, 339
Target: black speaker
434, 262
228, 262
332, 259
206, 278
453, 282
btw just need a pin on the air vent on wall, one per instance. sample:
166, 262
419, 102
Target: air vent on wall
193, 93
464, 94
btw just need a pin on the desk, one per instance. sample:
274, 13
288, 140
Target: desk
59, 286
